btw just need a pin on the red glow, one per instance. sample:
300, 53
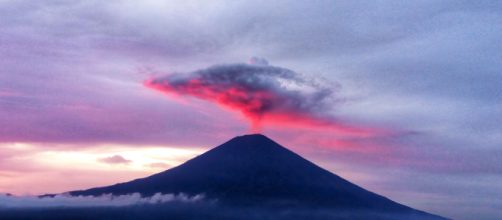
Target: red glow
259, 107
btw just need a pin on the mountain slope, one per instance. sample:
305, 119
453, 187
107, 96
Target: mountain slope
254, 170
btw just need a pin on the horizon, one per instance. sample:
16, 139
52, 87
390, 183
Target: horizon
400, 98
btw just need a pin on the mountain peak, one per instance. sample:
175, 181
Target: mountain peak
253, 169
257, 147
251, 138
255, 138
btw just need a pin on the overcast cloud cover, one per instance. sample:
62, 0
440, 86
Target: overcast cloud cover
430, 71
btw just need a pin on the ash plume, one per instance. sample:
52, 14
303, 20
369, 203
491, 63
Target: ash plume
261, 92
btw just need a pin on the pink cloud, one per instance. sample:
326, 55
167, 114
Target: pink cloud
115, 159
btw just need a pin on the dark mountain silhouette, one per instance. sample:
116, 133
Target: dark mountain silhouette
253, 170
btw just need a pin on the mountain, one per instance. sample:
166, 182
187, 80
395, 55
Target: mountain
253, 170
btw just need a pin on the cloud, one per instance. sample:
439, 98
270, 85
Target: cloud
261, 92
115, 159
64, 200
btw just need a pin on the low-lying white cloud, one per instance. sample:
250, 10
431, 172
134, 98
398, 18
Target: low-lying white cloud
66, 200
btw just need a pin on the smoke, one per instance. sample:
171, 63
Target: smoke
65, 200
261, 92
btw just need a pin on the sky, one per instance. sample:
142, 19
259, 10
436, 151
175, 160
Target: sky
403, 98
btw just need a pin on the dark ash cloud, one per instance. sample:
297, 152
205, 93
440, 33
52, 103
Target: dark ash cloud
261, 92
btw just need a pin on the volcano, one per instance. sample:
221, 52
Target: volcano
253, 170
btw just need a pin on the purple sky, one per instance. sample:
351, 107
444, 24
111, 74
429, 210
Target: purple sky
424, 75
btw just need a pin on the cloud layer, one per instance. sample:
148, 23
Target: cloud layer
63, 200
